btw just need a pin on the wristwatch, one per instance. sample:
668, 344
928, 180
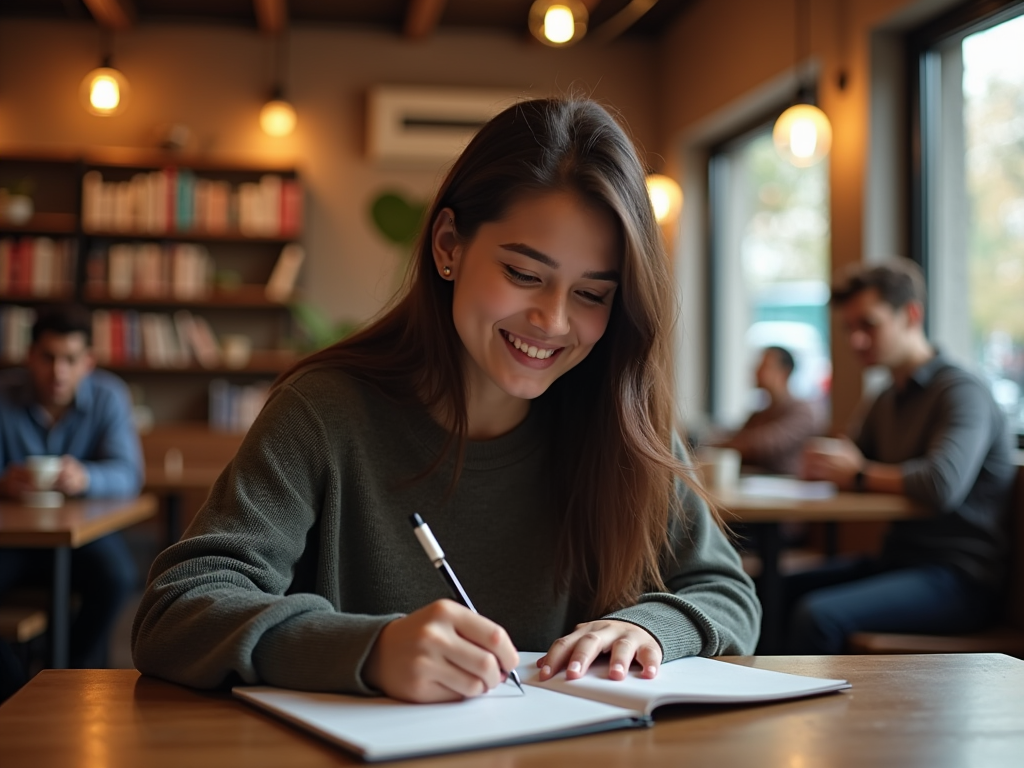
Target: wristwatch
858, 481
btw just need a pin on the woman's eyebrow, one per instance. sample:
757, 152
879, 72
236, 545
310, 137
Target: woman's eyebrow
611, 275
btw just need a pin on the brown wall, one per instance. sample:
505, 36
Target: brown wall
214, 79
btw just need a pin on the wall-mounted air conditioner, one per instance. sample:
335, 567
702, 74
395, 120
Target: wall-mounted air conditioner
410, 124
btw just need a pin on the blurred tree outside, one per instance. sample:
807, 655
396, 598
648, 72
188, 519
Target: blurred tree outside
994, 137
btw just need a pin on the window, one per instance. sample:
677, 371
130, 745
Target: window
970, 191
770, 266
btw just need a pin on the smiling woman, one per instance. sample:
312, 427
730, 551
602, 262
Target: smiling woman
517, 395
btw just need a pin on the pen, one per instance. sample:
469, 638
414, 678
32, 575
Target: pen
436, 555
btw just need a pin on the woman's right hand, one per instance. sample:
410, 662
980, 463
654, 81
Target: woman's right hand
442, 652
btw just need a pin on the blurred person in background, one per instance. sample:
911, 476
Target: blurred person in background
772, 439
59, 405
935, 435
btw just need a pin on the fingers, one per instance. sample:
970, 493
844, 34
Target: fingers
485, 634
442, 652
624, 642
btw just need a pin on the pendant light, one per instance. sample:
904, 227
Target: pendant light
803, 133
104, 91
278, 117
666, 197
558, 23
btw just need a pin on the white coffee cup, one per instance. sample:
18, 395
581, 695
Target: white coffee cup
720, 467
43, 470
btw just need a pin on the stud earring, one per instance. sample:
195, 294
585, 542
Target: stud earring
446, 271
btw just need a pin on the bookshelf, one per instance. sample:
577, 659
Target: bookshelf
171, 253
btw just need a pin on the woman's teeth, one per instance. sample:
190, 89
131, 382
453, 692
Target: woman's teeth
522, 346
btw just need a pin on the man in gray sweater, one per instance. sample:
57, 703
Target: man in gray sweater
935, 435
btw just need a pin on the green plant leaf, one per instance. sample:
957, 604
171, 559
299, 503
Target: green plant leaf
397, 218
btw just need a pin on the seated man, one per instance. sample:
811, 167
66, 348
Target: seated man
773, 438
936, 435
58, 405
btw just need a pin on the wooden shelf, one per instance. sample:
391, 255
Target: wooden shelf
243, 297
262, 363
43, 223
28, 298
193, 237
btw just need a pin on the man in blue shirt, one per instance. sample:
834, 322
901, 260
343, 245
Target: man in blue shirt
59, 405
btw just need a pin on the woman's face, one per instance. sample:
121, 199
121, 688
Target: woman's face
533, 292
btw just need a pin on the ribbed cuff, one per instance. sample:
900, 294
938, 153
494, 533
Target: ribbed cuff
671, 621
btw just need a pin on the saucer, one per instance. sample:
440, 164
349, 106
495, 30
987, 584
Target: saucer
42, 499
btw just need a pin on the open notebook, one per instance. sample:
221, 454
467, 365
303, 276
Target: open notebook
384, 729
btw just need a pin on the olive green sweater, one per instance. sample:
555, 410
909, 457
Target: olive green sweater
303, 551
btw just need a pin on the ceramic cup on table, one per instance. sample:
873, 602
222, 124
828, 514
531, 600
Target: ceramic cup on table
720, 467
43, 471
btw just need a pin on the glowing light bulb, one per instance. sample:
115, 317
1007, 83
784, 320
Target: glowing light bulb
666, 197
277, 118
559, 25
802, 135
104, 92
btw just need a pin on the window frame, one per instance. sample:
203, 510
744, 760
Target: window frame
923, 86
762, 122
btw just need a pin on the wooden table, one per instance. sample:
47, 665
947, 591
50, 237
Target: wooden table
77, 522
768, 512
903, 711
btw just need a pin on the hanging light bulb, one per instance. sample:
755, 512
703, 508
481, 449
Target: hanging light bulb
802, 135
277, 118
666, 197
104, 91
558, 23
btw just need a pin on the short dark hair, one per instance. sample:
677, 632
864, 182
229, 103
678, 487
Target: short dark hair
63, 320
784, 356
898, 281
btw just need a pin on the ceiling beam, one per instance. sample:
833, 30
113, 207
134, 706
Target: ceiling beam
118, 15
271, 15
421, 18
622, 21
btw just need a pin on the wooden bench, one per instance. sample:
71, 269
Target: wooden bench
1007, 636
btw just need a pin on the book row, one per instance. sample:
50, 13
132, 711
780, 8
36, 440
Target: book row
154, 339
176, 200
15, 333
37, 266
234, 407
149, 270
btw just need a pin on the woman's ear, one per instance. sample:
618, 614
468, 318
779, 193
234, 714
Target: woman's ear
445, 244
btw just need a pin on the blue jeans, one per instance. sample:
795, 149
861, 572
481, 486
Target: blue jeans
829, 604
103, 574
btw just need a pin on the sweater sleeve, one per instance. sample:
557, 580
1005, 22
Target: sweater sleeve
711, 608
217, 605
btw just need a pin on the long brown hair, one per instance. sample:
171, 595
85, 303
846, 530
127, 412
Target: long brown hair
611, 417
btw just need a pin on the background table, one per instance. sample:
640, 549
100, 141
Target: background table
77, 522
769, 511
903, 711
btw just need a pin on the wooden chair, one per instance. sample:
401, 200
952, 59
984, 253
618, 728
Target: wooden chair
1005, 637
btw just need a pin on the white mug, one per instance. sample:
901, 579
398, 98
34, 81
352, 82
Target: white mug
720, 467
43, 470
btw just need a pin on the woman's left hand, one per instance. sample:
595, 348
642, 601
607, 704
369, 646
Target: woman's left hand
624, 641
